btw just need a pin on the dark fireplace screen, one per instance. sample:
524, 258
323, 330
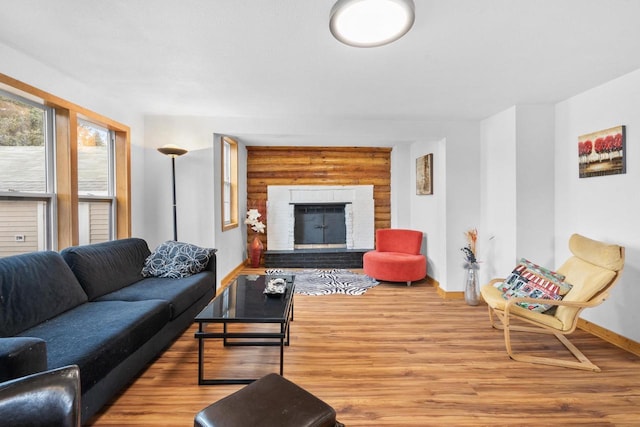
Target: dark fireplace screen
319, 225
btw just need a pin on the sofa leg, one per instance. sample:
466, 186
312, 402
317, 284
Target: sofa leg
408, 282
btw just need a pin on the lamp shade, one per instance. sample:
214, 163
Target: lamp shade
172, 150
370, 23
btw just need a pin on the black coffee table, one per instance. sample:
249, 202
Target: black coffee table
244, 302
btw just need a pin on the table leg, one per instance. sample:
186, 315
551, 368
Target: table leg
282, 356
200, 356
224, 331
288, 326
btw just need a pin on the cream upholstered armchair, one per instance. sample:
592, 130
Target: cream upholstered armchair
592, 271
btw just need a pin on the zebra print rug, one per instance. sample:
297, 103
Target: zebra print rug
325, 282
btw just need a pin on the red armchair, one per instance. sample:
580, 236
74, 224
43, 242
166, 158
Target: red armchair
397, 256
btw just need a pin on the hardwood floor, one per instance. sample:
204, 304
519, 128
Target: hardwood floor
398, 356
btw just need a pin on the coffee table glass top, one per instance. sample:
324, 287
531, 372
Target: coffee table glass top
244, 300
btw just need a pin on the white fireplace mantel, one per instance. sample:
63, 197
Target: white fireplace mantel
359, 213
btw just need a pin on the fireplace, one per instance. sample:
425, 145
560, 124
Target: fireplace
319, 226
355, 201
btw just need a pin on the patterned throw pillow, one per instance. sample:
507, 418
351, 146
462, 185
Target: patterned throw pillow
176, 259
533, 281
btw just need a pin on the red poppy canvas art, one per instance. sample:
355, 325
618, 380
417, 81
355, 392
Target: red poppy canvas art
602, 153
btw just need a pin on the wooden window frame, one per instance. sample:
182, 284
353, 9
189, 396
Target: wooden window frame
66, 166
232, 168
110, 197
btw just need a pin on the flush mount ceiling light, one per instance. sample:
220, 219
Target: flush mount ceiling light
370, 23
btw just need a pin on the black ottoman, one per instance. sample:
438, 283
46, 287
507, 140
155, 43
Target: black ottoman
270, 401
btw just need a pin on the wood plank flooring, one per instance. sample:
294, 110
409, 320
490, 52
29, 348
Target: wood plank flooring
398, 356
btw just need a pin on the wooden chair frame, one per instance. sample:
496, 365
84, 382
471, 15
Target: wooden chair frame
504, 318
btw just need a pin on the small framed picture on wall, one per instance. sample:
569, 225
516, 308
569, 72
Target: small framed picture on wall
602, 153
424, 174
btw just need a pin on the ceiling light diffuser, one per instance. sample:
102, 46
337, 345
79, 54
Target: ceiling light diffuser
370, 23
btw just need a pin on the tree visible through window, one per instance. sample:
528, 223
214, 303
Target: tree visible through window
22, 138
26, 187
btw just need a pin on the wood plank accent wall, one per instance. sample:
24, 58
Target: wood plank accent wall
319, 166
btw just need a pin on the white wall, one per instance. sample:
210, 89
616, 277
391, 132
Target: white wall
401, 186
535, 128
530, 186
517, 189
193, 174
462, 168
497, 230
198, 188
603, 208
455, 204
426, 211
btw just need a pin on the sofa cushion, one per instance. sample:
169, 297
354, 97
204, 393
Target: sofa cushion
34, 288
180, 293
176, 259
97, 336
106, 267
20, 356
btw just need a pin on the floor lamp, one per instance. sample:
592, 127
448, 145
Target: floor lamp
173, 151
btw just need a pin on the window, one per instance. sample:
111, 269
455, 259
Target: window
229, 183
26, 175
96, 201
64, 172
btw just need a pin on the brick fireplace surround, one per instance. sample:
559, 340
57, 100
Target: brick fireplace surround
359, 222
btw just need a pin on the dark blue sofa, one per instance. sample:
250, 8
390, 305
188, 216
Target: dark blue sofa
90, 306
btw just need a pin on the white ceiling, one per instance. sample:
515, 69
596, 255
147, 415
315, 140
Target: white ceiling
462, 60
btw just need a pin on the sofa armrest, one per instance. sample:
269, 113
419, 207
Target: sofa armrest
211, 266
20, 356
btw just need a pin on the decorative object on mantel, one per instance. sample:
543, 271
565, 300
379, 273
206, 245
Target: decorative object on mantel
256, 247
471, 290
424, 175
326, 282
602, 153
